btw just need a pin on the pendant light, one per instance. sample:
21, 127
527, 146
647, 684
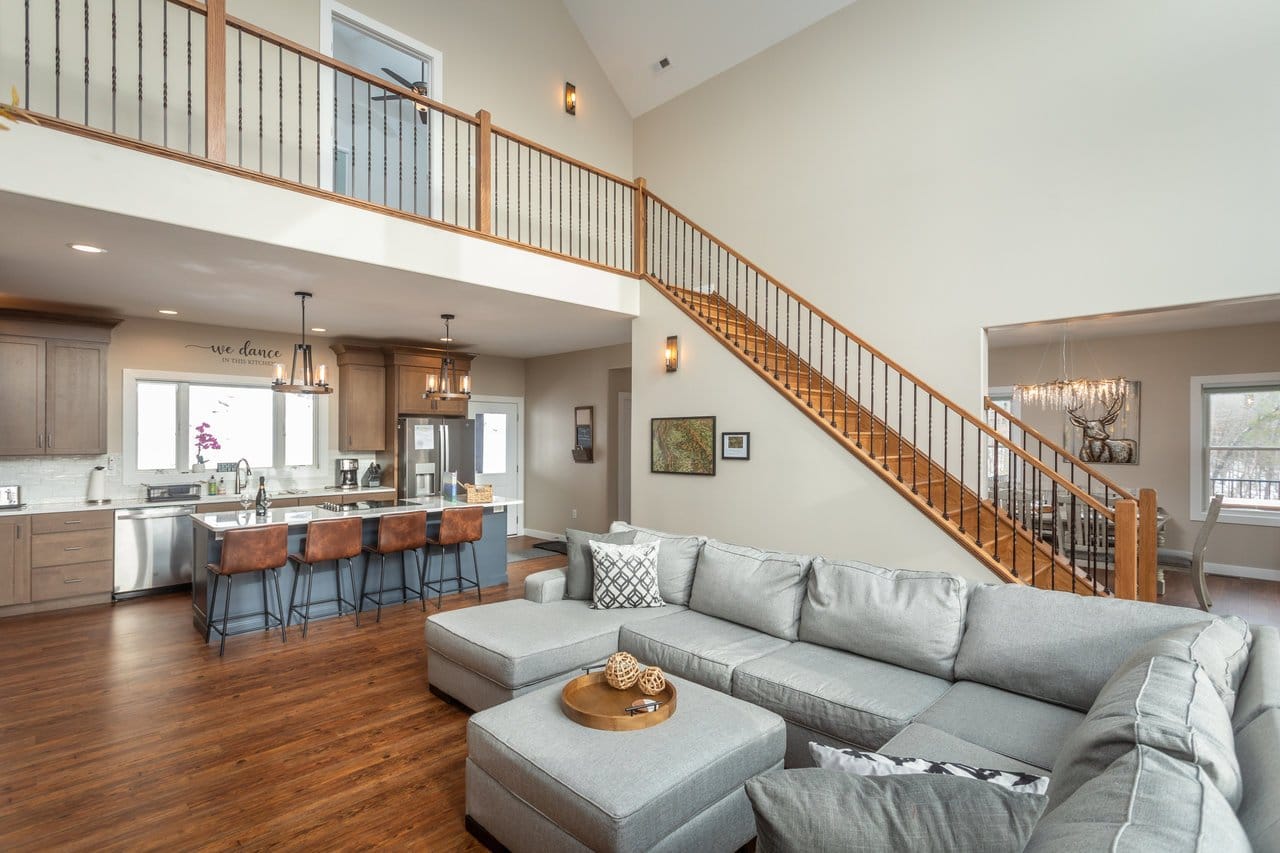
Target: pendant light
309, 381
445, 385
1067, 393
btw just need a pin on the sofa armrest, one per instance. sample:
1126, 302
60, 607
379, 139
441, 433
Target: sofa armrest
543, 587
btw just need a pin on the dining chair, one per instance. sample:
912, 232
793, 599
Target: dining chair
1193, 560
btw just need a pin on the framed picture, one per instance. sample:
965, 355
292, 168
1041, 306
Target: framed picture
1106, 433
735, 445
682, 446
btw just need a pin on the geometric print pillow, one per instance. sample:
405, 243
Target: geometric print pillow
625, 575
875, 764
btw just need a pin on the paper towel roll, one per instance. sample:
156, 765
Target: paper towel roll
97, 486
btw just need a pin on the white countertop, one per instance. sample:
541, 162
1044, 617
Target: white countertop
218, 522
36, 508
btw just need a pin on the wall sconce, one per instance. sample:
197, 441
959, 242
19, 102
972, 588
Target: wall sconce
672, 354
570, 99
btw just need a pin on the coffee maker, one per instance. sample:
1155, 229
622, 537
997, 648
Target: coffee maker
348, 476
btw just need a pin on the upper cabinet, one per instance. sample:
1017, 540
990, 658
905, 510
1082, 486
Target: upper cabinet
362, 398
53, 388
412, 366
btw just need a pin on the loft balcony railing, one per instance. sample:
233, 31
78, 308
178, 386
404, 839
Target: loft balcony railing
182, 79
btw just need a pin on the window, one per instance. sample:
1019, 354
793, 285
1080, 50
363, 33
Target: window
180, 421
1236, 446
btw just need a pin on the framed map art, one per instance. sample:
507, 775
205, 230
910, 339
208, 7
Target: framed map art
682, 446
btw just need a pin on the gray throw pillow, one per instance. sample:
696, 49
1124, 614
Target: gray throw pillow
577, 577
625, 575
677, 559
867, 763
813, 809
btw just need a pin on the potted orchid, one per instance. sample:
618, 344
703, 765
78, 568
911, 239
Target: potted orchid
205, 440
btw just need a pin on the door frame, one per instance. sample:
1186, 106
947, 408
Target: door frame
624, 464
519, 404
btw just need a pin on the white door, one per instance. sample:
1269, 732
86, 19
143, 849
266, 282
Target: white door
499, 451
624, 456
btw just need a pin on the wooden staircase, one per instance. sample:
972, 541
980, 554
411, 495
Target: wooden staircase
1002, 543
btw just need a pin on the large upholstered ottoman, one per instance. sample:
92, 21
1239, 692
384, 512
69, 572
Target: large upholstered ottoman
536, 780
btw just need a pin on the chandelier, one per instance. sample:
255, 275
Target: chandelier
309, 381
1072, 393
446, 385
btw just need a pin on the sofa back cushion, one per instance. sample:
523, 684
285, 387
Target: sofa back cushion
1258, 745
578, 577
1055, 646
1164, 703
1145, 801
912, 619
677, 559
1221, 646
1260, 690
759, 589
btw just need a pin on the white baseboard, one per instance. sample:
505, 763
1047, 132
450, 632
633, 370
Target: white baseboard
1242, 571
544, 534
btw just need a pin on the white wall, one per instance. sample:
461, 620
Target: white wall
922, 170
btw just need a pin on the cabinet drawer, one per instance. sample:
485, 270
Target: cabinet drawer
69, 581
64, 522
66, 549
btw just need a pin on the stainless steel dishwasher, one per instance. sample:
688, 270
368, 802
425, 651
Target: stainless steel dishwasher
153, 549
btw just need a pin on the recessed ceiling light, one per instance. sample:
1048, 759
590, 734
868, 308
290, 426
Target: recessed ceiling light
87, 249
318, 329
169, 311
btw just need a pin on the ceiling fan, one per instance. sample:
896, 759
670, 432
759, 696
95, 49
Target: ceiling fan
420, 87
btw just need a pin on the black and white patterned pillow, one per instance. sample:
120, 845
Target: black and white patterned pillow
875, 764
625, 575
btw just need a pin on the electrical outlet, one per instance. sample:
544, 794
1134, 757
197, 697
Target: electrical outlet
573, 514
111, 464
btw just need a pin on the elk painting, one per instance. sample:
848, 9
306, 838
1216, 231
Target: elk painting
1098, 442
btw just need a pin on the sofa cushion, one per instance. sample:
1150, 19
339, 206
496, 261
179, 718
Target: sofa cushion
1258, 745
1025, 729
759, 589
578, 577
1055, 646
1145, 801
913, 619
677, 559
1220, 646
624, 575
1169, 705
695, 646
1260, 690
514, 643
923, 739
544, 587
819, 810
857, 700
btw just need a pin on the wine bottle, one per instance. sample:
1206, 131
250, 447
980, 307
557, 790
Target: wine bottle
260, 502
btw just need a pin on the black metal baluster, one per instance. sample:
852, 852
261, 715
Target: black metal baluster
240, 97
139, 69
189, 130
899, 421
845, 422
915, 431
786, 351
872, 361
262, 159
114, 66
164, 74
961, 477
929, 482
86, 56
946, 462
884, 412
413, 118
280, 109
351, 161
57, 60
368, 141
26, 54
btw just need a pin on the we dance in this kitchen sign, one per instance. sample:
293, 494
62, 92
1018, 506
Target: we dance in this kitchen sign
246, 353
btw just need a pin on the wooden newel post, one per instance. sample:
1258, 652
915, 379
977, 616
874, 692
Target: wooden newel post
1127, 550
1147, 534
639, 229
215, 80
484, 173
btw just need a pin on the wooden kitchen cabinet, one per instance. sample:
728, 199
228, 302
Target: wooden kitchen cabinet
412, 380
22, 387
75, 397
15, 560
362, 398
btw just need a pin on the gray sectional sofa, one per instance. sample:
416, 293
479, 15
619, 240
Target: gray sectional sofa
1157, 725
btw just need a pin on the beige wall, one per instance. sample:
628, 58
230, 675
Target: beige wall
498, 377
555, 485
510, 57
1164, 363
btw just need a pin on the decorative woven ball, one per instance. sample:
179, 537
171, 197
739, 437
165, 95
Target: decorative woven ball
652, 681
621, 670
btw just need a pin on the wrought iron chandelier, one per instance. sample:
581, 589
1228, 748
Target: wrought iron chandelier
1072, 393
310, 381
445, 385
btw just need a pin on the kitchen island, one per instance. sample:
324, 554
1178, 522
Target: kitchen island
247, 592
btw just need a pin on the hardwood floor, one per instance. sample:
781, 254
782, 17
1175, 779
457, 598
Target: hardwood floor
120, 729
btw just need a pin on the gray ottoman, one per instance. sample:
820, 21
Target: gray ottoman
536, 780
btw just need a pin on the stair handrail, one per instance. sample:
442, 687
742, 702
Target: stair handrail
964, 414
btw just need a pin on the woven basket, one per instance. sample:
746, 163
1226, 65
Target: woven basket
476, 494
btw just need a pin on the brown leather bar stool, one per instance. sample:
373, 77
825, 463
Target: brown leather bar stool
397, 533
457, 527
333, 539
255, 549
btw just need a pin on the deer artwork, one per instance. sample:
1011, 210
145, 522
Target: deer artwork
1097, 444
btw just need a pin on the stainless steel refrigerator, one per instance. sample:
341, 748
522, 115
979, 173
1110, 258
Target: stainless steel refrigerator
432, 448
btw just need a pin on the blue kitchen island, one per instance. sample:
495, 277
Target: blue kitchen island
247, 591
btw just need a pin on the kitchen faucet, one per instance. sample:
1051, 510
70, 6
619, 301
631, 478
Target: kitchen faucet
248, 473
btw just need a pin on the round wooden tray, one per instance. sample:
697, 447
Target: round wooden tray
589, 701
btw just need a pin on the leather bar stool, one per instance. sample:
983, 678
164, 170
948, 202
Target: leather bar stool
458, 527
254, 549
397, 533
335, 539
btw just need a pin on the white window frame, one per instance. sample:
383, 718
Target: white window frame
131, 474
1199, 453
